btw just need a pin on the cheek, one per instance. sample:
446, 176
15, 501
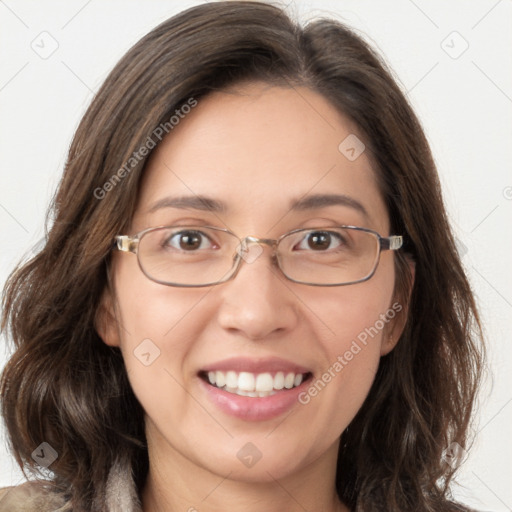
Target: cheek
158, 326
359, 318
359, 314
156, 348
148, 309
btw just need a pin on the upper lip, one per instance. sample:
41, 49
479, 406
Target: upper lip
252, 365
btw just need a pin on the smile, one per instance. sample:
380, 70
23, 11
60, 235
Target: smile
255, 385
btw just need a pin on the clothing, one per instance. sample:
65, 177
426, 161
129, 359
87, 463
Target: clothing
34, 496
121, 496
29, 497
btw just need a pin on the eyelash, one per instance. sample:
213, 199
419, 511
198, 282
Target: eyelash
166, 241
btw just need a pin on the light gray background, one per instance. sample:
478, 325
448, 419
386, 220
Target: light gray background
464, 99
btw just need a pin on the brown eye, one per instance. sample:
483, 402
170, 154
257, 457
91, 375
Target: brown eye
188, 240
321, 241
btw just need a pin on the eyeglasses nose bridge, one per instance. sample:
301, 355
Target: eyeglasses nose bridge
248, 240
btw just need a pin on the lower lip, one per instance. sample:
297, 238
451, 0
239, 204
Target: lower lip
254, 408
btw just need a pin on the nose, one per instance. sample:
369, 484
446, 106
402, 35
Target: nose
258, 302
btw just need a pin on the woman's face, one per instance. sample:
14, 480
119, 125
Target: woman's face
256, 150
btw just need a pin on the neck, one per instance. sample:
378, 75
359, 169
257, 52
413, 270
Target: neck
175, 483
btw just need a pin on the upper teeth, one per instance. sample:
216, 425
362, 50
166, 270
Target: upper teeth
254, 384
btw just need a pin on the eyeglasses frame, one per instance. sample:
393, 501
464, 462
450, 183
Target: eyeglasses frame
130, 243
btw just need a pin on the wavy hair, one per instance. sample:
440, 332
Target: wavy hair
63, 385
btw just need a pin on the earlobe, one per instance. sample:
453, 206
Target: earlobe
396, 327
388, 344
105, 321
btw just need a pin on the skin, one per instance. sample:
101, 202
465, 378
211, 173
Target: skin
255, 148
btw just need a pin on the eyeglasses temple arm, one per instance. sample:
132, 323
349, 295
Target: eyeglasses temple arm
391, 243
125, 243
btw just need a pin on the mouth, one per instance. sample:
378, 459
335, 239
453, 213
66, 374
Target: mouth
254, 385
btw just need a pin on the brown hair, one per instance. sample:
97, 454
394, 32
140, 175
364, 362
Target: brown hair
63, 385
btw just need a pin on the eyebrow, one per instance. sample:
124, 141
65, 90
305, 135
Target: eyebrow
310, 202
316, 201
189, 203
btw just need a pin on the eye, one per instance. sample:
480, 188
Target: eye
188, 240
321, 241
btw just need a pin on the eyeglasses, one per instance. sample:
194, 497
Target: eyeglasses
194, 256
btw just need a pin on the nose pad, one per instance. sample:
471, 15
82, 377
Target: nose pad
249, 251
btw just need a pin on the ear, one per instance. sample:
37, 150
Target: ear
400, 307
105, 321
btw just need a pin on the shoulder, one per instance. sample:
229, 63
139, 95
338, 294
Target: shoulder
31, 496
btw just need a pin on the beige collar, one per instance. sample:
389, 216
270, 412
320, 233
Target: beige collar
34, 496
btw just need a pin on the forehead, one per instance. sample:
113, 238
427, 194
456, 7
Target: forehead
257, 149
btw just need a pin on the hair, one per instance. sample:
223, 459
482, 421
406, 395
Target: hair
63, 385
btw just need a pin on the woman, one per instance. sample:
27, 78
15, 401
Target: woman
250, 297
